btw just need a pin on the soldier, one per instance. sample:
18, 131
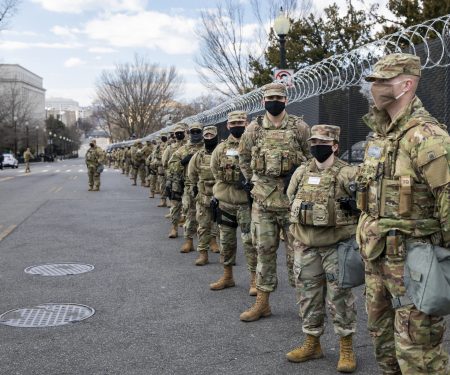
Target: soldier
324, 184
137, 162
26, 157
145, 152
95, 157
152, 172
233, 204
157, 166
403, 191
178, 168
127, 160
270, 150
202, 180
173, 191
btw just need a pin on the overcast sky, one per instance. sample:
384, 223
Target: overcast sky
69, 42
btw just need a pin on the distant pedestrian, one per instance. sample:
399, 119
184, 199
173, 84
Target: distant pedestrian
27, 155
95, 157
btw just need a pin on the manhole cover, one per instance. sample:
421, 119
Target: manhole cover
46, 315
59, 269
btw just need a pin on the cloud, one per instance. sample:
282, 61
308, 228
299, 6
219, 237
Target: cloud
102, 50
64, 31
172, 34
15, 45
79, 6
73, 62
83, 95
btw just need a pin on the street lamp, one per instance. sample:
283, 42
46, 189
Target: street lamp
15, 135
281, 26
37, 141
27, 133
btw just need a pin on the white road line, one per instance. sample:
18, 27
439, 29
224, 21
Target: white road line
45, 170
7, 231
58, 190
6, 178
81, 170
69, 170
58, 170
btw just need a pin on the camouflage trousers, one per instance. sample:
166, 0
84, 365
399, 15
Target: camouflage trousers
138, 170
206, 227
161, 184
228, 235
175, 212
189, 212
266, 227
94, 177
27, 166
316, 273
152, 181
404, 338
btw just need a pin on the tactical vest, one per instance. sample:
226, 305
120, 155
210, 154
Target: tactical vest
206, 179
91, 155
274, 154
317, 202
229, 170
383, 191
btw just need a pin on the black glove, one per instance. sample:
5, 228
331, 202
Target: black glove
240, 184
168, 188
288, 177
214, 205
248, 186
348, 204
186, 159
194, 190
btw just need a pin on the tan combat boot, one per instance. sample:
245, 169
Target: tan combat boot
226, 281
347, 358
152, 194
261, 308
134, 183
173, 232
163, 203
310, 349
213, 245
182, 221
202, 258
252, 291
168, 216
188, 246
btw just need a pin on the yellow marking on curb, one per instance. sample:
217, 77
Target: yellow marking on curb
7, 231
52, 190
6, 178
75, 177
58, 190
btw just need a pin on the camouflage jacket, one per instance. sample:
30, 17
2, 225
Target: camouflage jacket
168, 152
267, 154
226, 170
95, 156
200, 174
403, 183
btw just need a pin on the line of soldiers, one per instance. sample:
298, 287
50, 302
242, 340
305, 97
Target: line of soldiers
277, 176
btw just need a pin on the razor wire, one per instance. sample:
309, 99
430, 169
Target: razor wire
347, 69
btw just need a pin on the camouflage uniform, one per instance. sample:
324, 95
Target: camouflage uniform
146, 151
266, 155
178, 169
233, 201
127, 162
94, 158
201, 178
175, 199
27, 155
158, 167
403, 191
137, 158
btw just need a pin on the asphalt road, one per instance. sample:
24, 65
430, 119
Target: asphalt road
154, 311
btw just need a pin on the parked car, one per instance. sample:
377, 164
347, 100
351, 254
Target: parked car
10, 161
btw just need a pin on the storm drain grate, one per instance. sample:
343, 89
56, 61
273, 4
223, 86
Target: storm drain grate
46, 315
59, 269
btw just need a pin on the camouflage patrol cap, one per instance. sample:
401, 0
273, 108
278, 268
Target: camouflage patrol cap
275, 88
393, 65
180, 127
237, 116
163, 134
211, 129
195, 125
325, 132
136, 142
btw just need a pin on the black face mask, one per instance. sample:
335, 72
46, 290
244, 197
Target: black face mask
91, 144
237, 131
179, 136
321, 152
164, 139
196, 137
274, 107
210, 144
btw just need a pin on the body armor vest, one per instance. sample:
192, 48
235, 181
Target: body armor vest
206, 179
229, 169
317, 202
91, 155
386, 187
275, 153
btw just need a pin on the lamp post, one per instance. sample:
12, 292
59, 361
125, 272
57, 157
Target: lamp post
281, 27
15, 135
27, 132
37, 141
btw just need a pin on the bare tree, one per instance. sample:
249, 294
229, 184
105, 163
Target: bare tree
136, 96
227, 41
8, 9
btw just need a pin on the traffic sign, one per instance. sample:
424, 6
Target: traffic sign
284, 75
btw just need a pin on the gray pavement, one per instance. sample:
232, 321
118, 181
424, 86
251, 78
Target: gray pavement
154, 311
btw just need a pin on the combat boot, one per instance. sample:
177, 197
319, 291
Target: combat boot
152, 195
310, 349
226, 281
347, 358
163, 203
213, 245
168, 216
202, 258
134, 183
261, 308
90, 188
173, 232
188, 246
96, 188
252, 291
182, 221
143, 184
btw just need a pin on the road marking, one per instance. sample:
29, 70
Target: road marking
52, 189
69, 170
58, 170
6, 178
45, 170
7, 231
74, 177
58, 190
